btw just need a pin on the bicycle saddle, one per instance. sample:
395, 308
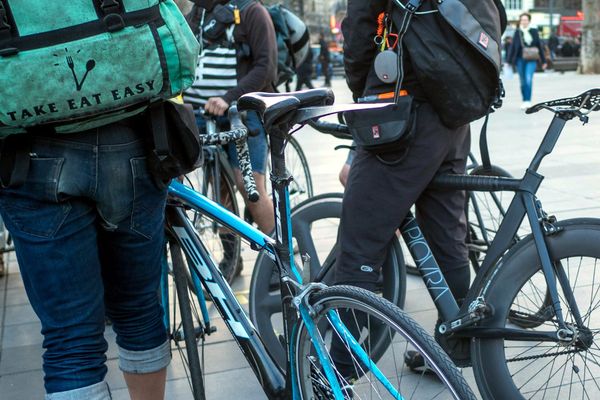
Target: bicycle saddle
584, 103
273, 106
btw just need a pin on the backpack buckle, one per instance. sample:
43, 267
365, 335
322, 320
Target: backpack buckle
110, 7
114, 22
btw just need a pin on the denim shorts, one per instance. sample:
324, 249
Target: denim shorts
257, 145
88, 231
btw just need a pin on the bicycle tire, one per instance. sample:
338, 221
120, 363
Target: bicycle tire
509, 369
360, 311
224, 245
193, 367
311, 216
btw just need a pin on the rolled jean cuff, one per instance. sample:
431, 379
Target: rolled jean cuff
97, 391
145, 361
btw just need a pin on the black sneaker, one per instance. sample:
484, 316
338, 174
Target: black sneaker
415, 361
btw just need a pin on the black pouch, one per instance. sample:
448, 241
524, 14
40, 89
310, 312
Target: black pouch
383, 130
217, 22
176, 143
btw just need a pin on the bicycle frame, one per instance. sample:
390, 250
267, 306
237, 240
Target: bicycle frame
524, 203
276, 383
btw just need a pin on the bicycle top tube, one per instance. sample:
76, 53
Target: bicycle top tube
197, 201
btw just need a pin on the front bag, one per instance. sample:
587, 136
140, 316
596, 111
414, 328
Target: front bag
383, 130
74, 65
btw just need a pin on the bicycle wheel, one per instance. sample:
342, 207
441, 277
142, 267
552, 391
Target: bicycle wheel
188, 328
511, 369
224, 246
314, 226
364, 313
485, 212
301, 187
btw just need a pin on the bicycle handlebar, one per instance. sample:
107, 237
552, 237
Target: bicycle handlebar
239, 134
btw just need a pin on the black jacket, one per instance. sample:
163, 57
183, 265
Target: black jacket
516, 48
359, 29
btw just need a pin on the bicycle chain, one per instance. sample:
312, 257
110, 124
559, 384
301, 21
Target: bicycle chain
560, 353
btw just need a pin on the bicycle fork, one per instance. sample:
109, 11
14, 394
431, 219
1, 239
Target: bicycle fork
542, 226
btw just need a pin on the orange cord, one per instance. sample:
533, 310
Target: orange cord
380, 27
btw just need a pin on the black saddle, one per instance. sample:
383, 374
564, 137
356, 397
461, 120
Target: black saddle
278, 108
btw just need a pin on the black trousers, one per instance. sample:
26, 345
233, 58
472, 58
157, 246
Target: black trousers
379, 195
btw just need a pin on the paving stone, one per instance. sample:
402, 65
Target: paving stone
26, 385
22, 314
21, 359
22, 335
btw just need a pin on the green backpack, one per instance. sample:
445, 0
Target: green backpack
71, 65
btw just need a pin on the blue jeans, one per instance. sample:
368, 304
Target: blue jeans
526, 69
257, 145
88, 232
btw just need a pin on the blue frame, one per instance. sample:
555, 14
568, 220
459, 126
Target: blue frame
203, 268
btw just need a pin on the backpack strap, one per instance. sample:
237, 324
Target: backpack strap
14, 160
158, 123
410, 8
7, 29
483, 145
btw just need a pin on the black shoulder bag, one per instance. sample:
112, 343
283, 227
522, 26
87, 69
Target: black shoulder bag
388, 129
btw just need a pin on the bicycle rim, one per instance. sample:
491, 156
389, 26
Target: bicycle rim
361, 312
315, 224
545, 369
186, 324
223, 245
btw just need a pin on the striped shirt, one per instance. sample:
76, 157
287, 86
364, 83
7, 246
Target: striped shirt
216, 74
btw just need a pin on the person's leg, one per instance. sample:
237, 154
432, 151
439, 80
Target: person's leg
262, 211
522, 77
55, 239
441, 216
529, 68
379, 195
131, 244
345, 171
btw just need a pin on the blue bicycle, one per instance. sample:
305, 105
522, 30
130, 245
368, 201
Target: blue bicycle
326, 331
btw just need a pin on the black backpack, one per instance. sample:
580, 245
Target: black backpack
291, 33
455, 51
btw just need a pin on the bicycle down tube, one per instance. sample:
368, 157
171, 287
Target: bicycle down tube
266, 369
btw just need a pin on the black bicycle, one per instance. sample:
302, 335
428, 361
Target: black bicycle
327, 331
529, 322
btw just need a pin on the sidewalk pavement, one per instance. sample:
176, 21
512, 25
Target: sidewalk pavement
572, 188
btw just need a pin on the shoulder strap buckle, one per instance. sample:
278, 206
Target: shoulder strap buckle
413, 6
110, 7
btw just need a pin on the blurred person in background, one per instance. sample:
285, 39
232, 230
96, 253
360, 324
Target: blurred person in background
526, 37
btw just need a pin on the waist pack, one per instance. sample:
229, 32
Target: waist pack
383, 130
454, 48
75, 65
